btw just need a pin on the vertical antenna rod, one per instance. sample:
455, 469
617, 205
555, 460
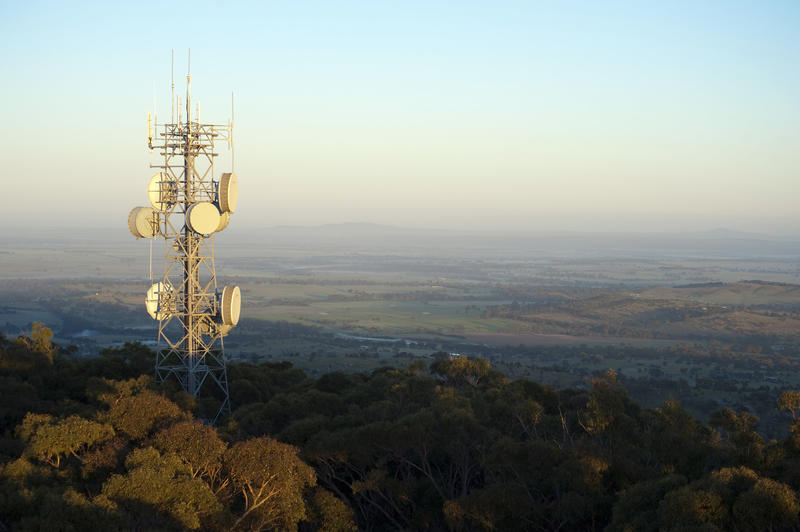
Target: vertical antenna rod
150, 123
230, 135
172, 87
189, 90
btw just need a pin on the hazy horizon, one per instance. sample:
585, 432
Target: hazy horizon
603, 227
351, 240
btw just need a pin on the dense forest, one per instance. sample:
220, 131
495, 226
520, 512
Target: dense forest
95, 444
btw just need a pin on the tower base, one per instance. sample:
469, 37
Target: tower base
193, 373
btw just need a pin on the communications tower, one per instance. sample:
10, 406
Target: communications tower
189, 204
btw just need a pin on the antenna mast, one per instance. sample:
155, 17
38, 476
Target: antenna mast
172, 87
189, 90
230, 138
189, 205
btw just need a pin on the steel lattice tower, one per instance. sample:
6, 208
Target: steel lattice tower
189, 205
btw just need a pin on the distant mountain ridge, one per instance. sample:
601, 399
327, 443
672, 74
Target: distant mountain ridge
719, 232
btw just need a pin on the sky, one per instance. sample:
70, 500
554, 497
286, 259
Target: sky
495, 115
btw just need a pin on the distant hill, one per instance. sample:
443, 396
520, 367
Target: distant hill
743, 293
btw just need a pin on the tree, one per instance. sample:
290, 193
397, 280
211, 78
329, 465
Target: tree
137, 416
680, 442
198, 446
731, 498
637, 507
462, 370
768, 505
444, 444
329, 513
110, 391
689, 508
51, 440
41, 336
606, 405
529, 413
269, 479
740, 434
157, 492
790, 400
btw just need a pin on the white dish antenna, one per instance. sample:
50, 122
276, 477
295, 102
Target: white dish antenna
203, 217
228, 192
143, 222
161, 192
231, 305
224, 220
156, 301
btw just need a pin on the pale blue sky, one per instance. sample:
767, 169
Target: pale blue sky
557, 115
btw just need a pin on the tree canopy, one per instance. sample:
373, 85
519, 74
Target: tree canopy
96, 443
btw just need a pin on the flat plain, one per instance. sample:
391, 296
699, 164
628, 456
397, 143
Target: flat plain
720, 328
